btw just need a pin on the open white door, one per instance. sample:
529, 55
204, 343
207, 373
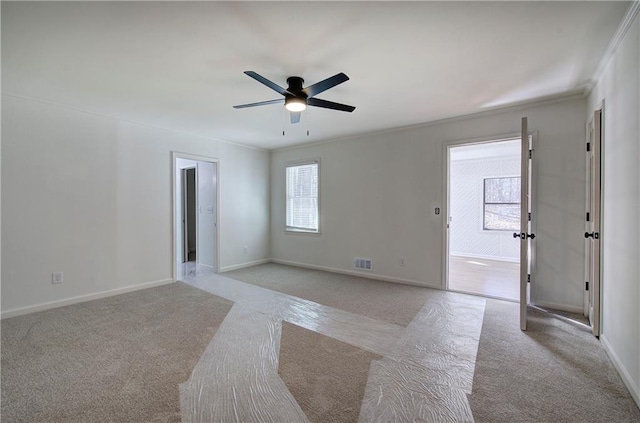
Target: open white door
592, 224
526, 234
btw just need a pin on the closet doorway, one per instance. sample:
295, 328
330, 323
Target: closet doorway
189, 216
195, 209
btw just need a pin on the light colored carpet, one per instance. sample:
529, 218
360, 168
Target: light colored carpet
553, 372
327, 377
121, 359
118, 359
389, 302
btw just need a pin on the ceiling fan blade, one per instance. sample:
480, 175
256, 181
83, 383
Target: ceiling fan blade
295, 117
329, 105
275, 87
321, 86
260, 103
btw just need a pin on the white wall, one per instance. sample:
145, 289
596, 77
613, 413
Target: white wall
206, 209
379, 191
467, 237
619, 87
91, 196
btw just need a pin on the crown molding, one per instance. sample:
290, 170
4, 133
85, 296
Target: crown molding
615, 42
513, 107
132, 122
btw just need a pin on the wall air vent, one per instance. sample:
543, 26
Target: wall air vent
362, 263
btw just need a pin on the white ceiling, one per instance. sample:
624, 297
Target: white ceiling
179, 65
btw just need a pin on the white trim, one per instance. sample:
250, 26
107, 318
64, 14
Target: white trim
447, 145
446, 207
303, 162
243, 265
514, 107
481, 256
133, 122
366, 275
83, 298
624, 374
206, 266
615, 42
559, 307
539, 102
603, 233
306, 233
297, 163
475, 294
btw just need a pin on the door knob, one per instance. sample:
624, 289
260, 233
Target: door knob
594, 235
516, 235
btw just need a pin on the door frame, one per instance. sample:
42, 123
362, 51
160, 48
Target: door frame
447, 145
185, 228
174, 203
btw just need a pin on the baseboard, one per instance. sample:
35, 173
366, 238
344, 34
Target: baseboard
206, 266
360, 274
243, 265
624, 374
480, 256
81, 298
560, 307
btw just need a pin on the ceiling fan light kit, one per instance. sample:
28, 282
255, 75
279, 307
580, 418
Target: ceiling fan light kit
296, 98
294, 104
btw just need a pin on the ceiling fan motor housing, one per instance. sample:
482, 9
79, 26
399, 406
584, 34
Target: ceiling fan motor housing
295, 86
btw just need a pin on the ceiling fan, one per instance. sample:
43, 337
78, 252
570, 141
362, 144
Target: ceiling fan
296, 99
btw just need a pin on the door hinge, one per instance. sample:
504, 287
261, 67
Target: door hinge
588, 146
529, 215
529, 278
530, 153
586, 286
588, 216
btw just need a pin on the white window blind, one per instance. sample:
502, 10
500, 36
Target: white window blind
302, 197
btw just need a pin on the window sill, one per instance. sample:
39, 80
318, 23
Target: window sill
294, 232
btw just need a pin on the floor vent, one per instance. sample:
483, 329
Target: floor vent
362, 263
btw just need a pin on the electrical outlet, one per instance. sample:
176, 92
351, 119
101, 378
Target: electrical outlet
245, 250
56, 277
402, 261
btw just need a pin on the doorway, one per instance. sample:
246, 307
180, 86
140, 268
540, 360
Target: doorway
484, 195
196, 210
189, 226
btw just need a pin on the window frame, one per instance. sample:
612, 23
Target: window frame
484, 203
293, 230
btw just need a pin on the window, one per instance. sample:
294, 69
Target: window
302, 197
501, 204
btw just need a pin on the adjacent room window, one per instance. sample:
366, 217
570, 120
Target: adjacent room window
302, 197
502, 204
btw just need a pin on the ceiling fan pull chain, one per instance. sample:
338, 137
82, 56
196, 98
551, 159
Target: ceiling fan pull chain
283, 114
